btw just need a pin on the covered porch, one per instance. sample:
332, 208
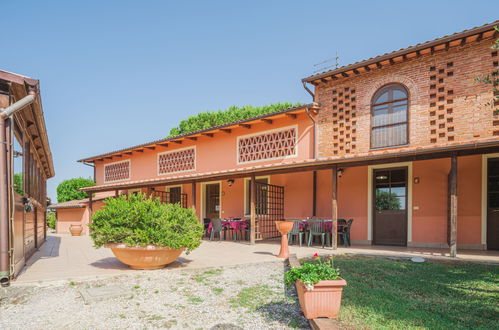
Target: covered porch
410, 200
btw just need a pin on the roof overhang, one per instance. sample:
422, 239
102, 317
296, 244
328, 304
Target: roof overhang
31, 117
430, 47
205, 133
309, 165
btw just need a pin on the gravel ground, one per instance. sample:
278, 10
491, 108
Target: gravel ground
237, 297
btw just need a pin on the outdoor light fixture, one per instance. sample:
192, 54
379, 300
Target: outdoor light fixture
230, 182
340, 172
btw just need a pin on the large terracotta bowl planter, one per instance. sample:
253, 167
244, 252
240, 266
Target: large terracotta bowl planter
75, 230
144, 257
323, 300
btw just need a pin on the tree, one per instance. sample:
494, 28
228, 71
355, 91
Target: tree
209, 119
67, 190
18, 183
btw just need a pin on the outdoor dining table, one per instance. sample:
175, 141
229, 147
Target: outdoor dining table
231, 224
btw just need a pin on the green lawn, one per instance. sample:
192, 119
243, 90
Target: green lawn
399, 294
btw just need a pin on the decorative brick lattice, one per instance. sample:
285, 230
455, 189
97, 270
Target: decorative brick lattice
177, 161
118, 171
495, 69
441, 102
266, 146
344, 106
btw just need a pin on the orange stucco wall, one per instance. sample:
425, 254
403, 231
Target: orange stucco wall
68, 217
217, 153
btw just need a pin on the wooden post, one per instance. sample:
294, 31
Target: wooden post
116, 193
253, 209
453, 207
194, 198
314, 193
334, 207
90, 207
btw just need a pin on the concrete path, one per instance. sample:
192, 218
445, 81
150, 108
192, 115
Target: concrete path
65, 257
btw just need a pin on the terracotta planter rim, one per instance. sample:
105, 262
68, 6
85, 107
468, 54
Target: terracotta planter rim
147, 247
340, 282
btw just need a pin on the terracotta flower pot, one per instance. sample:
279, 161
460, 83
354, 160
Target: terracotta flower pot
323, 301
144, 257
75, 230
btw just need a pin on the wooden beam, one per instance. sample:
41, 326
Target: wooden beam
253, 209
29, 124
248, 126
138, 150
192, 138
267, 121
116, 193
207, 134
367, 68
334, 207
379, 65
314, 193
90, 206
291, 115
151, 148
226, 130
356, 71
463, 41
453, 207
392, 62
128, 153
177, 141
344, 74
164, 145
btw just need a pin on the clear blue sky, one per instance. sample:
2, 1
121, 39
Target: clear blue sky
120, 73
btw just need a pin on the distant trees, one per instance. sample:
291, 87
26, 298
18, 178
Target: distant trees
208, 119
67, 190
18, 183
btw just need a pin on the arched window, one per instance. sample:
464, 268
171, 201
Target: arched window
389, 118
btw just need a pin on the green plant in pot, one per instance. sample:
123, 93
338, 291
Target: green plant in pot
144, 233
319, 287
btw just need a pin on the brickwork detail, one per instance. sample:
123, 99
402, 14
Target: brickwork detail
118, 171
441, 103
177, 161
344, 113
271, 145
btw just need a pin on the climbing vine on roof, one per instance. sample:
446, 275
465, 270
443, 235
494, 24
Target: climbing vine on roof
207, 119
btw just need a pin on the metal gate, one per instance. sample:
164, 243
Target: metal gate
269, 208
171, 198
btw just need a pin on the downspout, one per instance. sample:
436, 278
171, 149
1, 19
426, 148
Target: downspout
5, 113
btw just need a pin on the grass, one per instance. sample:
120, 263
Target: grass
400, 294
253, 297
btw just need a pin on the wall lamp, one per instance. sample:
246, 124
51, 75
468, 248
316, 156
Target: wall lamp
340, 172
230, 182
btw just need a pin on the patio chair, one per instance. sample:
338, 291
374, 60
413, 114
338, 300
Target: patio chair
217, 227
345, 233
295, 231
206, 223
316, 228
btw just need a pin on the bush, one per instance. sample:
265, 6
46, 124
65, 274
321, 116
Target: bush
51, 220
311, 272
67, 190
138, 220
209, 119
18, 183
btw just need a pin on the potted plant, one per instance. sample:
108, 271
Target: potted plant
144, 233
319, 287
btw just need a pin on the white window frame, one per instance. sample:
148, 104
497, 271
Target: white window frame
113, 163
172, 151
247, 213
295, 127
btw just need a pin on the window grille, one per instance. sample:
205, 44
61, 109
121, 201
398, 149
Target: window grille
271, 145
118, 171
177, 161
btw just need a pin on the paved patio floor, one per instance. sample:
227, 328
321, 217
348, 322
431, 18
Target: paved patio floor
65, 257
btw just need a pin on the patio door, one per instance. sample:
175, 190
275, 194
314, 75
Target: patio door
212, 200
493, 204
390, 206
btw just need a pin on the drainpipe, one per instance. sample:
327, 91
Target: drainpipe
5, 113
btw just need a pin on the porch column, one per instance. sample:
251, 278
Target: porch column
90, 207
194, 198
116, 193
314, 193
334, 207
253, 209
453, 206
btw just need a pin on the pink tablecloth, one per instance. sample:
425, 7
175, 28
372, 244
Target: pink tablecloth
231, 224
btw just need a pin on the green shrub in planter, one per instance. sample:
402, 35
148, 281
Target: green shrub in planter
313, 271
138, 220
